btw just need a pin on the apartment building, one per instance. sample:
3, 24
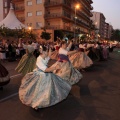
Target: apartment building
106, 31
99, 21
55, 14
61, 14
19, 6
4, 8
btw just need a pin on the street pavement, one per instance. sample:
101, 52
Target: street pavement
95, 97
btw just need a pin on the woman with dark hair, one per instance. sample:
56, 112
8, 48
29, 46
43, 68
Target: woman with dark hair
67, 71
4, 76
41, 88
27, 62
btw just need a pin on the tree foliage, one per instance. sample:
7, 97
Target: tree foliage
45, 35
16, 33
115, 35
59, 34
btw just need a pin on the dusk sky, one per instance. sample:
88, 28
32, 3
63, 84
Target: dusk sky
110, 9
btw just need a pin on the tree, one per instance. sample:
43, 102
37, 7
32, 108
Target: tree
45, 35
59, 34
115, 35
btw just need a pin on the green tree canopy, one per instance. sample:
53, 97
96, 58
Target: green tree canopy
45, 35
115, 35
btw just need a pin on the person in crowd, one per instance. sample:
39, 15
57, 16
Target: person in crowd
67, 71
42, 88
80, 60
27, 62
54, 55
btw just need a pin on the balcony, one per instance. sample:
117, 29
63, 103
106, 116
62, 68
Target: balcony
91, 14
58, 15
81, 23
18, 9
58, 27
91, 8
83, 15
17, 0
22, 19
57, 3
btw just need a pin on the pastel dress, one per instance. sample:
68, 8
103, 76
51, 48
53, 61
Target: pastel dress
80, 59
54, 55
4, 76
27, 62
67, 71
40, 89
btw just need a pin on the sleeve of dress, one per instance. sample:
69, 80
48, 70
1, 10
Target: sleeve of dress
69, 47
24, 46
41, 65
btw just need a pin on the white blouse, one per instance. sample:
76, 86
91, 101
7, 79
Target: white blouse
42, 63
63, 51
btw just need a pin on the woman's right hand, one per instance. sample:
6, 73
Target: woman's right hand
57, 67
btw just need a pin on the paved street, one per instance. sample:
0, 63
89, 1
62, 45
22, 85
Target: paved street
96, 97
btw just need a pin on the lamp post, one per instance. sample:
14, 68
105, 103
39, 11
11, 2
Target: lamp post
76, 7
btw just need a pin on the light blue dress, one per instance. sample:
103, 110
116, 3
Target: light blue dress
39, 89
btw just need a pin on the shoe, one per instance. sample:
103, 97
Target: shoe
36, 109
1, 88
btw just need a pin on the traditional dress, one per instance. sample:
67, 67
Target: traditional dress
27, 62
80, 60
4, 76
55, 54
67, 71
40, 89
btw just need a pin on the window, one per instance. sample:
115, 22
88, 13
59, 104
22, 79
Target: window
29, 14
29, 3
5, 4
38, 13
38, 24
29, 24
38, 1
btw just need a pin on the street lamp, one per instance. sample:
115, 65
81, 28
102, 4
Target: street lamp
30, 28
76, 7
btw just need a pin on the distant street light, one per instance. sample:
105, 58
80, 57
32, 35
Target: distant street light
76, 7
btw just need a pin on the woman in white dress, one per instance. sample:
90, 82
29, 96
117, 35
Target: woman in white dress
67, 71
41, 88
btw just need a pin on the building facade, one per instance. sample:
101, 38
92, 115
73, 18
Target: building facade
4, 8
99, 21
19, 6
55, 14
106, 31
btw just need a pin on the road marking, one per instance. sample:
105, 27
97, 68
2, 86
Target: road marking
13, 76
6, 98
